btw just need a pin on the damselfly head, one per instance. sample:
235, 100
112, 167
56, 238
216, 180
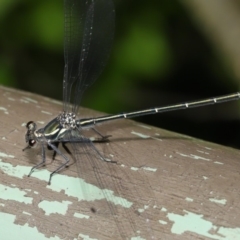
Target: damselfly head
30, 136
31, 126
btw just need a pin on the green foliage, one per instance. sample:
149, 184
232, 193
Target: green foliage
143, 51
46, 23
154, 41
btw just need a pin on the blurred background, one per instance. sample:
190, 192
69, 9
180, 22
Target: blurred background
164, 52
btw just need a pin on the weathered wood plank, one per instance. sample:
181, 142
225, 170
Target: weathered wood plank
185, 187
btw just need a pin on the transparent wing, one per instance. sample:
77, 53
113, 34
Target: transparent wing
117, 198
89, 29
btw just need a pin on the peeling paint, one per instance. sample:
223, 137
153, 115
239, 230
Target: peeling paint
85, 237
191, 222
163, 222
30, 99
18, 171
163, 209
4, 155
3, 109
143, 209
158, 139
79, 215
193, 156
134, 168
12, 231
218, 162
45, 112
24, 101
8, 193
27, 213
150, 169
70, 186
50, 207
137, 238
220, 201
140, 134
52, 101
189, 199
208, 148
202, 152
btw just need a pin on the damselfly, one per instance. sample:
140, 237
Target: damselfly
89, 30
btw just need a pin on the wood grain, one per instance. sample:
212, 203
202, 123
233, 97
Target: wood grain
178, 187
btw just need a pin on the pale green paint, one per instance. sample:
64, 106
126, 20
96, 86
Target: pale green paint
85, 237
191, 222
208, 148
53, 101
163, 209
134, 168
24, 101
163, 222
18, 171
10, 231
8, 193
71, 185
220, 201
51, 207
150, 169
140, 134
4, 110
189, 199
193, 156
145, 168
30, 99
4, 155
79, 215
202, 152
158, 139
220, 163
143, 209
137, 238
27, 213
205, 178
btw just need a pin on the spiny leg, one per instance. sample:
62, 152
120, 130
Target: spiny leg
103, 138
41, 163
63, 156
57, 144
101, 156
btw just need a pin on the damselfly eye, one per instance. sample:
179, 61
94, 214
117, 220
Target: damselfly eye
31, 126
32, 143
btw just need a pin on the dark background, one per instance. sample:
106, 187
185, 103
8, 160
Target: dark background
160, 56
